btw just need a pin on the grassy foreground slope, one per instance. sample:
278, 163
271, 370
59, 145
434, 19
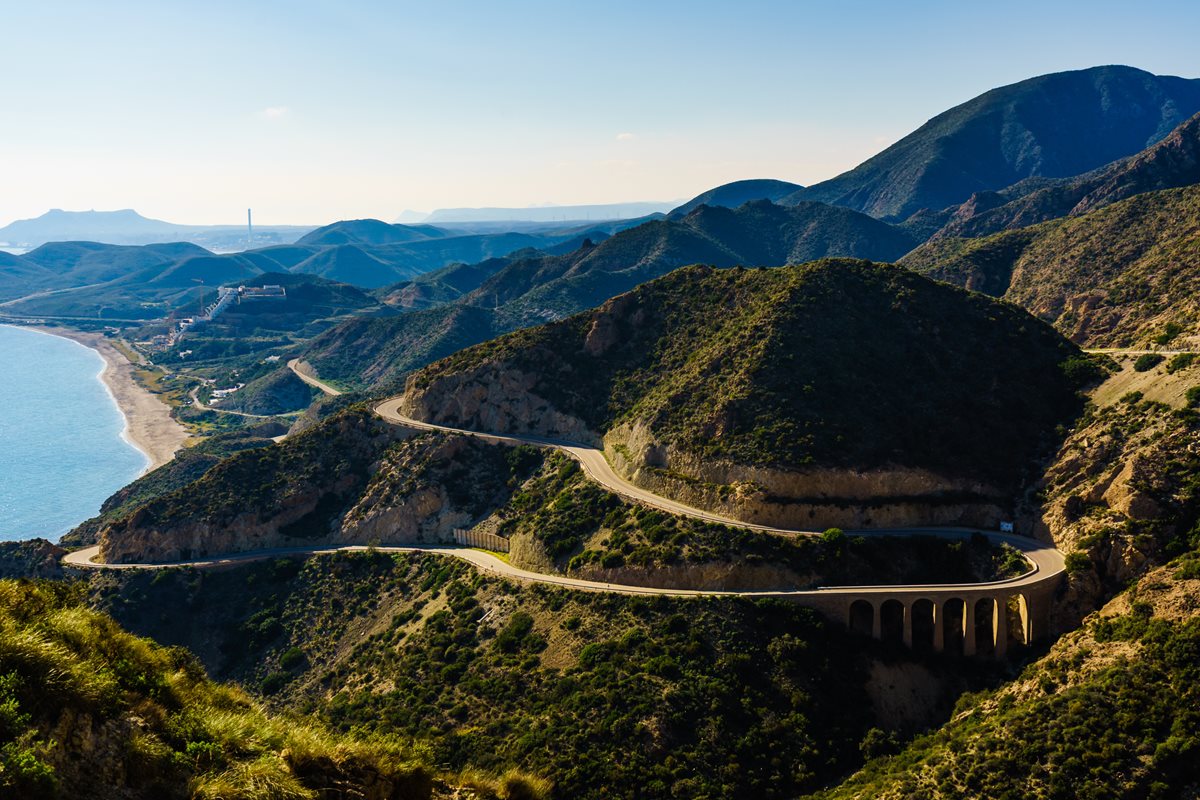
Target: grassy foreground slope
833, 363
606, 696
90, 711
1119, 276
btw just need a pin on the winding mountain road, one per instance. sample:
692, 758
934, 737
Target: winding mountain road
301, 369
1046, 563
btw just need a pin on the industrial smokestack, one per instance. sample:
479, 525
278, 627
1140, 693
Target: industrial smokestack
249, 227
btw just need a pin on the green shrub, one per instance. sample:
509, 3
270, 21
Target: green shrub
1078, 561
23, 772
833, 537
1128, 628
1168, 333
518, 627
1193, 397
878, 743
291, 658
1147, 362
1085, 370
1189, 570
273, 683
612, 560
1181, 361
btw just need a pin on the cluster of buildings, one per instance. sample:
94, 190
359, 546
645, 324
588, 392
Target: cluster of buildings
226, 296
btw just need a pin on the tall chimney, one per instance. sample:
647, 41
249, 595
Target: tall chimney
249, 227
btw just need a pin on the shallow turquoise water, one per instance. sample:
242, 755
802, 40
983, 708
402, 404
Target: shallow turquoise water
61, 450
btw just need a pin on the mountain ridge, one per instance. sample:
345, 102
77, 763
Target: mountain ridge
508, 295
1053, 126
1170, 163
732, 195
741, 377
1121, 275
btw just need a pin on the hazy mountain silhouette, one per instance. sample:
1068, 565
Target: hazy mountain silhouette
1051, 126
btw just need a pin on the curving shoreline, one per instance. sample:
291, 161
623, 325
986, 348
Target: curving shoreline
149, 426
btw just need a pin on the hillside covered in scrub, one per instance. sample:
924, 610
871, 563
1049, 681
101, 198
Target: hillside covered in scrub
355, 479
90, 711
1168, 164
1110, 710
606, 696
831, 365
473, 304
1051, 126
1124, 275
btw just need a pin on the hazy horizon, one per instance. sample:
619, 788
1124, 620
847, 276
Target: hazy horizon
412, 213
310, 112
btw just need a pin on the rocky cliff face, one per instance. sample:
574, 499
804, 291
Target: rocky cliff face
398, 510
93, 753
1119, 495
812, 499
491, 398
384, 484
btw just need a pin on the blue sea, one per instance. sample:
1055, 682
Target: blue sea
62, 450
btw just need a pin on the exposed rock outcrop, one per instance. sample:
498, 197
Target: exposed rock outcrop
491, 398
398, 510
1114, 495
717, 576
814, 498
352, 480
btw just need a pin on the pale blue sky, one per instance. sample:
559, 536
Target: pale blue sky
311, 110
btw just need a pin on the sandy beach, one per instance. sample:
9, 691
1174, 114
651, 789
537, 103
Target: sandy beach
148, 423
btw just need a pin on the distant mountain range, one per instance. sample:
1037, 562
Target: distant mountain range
995, 163
606, 211
1053, 126
130, 228
91, 279
501, 295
